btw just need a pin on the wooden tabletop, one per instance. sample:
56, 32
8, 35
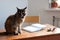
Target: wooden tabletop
25, 34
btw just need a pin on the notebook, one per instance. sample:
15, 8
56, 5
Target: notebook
34, 27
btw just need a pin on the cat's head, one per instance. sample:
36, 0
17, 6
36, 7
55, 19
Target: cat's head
21, 12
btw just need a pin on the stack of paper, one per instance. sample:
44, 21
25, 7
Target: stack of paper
34, 27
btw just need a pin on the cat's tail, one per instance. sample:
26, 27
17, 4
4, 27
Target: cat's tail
3, 33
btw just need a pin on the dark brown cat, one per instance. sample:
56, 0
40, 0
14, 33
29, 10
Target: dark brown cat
13, 22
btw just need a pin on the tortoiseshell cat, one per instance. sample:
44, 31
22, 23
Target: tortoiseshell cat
13, 22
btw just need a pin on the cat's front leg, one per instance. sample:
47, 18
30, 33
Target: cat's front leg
16, 31
19, 29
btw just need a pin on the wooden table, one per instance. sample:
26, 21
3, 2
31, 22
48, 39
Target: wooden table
40, 35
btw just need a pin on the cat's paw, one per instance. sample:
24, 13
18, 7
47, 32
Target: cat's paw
19, 32
15, 33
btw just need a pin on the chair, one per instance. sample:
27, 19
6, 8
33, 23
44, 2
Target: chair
32, 19
56, 21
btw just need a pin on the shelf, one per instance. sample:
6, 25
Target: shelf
53, 9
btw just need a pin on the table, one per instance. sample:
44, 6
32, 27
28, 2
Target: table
40, 35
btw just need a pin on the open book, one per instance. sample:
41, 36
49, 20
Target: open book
34, 27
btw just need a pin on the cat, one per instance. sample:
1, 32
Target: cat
13, 22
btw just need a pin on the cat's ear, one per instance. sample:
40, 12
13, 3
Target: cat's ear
17, 8
25, 8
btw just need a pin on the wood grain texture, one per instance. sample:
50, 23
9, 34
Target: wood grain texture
47, 37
